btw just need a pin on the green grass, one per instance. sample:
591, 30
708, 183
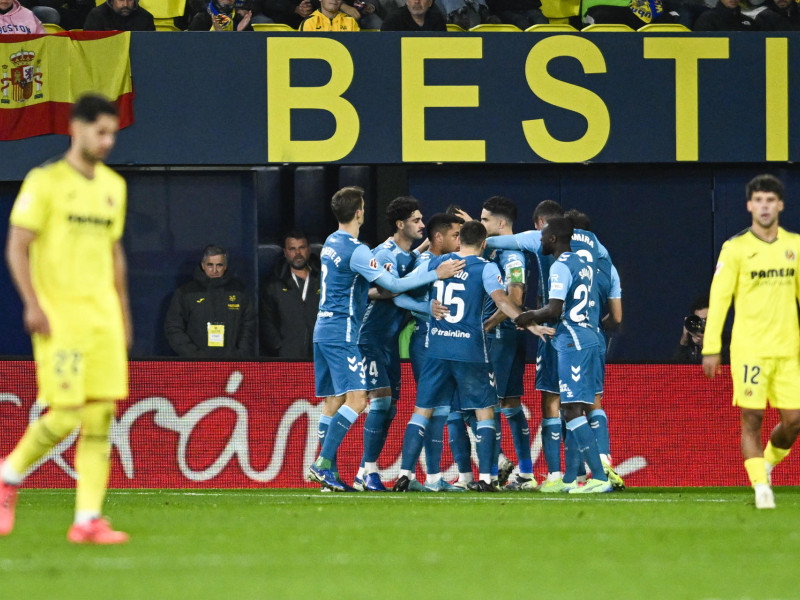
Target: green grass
644, 543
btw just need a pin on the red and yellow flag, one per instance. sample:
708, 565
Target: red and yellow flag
42, 75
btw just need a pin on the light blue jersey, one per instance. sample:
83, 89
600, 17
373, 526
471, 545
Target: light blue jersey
583, 243
512, 266
459, 336
571, 281
348, 267
383, 319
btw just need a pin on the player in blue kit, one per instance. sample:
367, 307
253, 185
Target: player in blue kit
606, 294
378, 338
585, 244
576, 342
443, 235
457, 358
348, 267
506, 342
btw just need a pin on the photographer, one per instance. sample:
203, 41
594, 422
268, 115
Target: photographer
694, 325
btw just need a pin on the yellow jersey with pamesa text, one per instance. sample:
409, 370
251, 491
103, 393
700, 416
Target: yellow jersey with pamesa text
77, 221
764, 280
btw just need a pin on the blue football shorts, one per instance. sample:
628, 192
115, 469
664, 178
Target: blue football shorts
338, 369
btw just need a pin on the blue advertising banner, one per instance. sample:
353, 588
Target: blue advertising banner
503, 98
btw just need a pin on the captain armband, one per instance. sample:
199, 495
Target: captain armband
515, 273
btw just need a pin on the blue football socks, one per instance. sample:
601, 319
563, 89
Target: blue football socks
412, 442
459, 442
598, 421
551, 443
485, 435
521, 434
338, 428
587, 446
434, 439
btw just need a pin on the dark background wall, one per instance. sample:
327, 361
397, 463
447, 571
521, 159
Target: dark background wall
663, 226
195, 160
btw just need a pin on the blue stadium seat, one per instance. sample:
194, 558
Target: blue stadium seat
273, 205
364, 177
268, 256
312, 197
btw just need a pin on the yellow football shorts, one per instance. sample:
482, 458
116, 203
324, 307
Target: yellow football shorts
762, 380
75, 366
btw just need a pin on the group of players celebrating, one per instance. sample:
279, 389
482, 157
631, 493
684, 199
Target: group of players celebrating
466, 287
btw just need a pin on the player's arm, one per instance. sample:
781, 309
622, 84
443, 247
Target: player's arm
19, 265
613, 319
121, 285
527, 240
505, 305
423, 247
433, 308
378, 293
420, 277
558, 285
547, 314
515, 281
389, 262
722, 287
493, 285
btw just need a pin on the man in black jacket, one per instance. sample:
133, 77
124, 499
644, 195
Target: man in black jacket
725, 16
289, 302
416, 15
119, 15
212, 316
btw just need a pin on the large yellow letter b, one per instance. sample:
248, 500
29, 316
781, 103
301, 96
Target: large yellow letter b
282, 98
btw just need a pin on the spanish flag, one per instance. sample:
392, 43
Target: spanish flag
41, 76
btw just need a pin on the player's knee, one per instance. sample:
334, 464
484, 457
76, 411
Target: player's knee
59, 422
357, 401
572, 411
510, 402
96, 419
791, 423
751, 421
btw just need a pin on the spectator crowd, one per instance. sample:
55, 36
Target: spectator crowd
27, 16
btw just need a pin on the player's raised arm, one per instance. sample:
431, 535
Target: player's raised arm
18, 259
527, 240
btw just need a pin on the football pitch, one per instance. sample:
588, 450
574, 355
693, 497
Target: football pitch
643, 543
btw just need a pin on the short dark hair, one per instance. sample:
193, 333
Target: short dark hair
90, 106
765, 183
295, 234
441, 223
502, 207
699, 303
214, 250
546, 209
400, 209
452, 209
561, 227
472, 234
346, 202
579, 219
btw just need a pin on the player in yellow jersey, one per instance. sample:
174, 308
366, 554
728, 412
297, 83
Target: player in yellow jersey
65, 255
759, 268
